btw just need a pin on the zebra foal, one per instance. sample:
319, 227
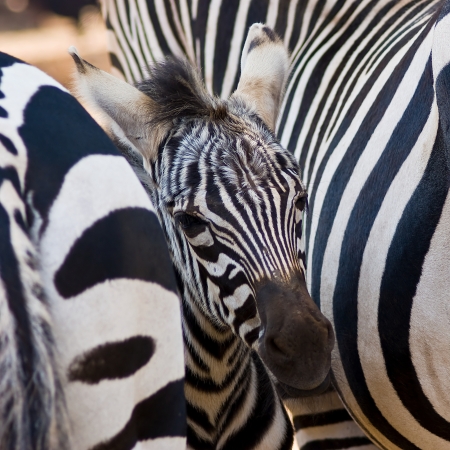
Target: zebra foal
230, 200
366, 115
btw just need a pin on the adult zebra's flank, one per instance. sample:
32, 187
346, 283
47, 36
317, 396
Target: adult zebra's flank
91, 352
231, 202
368, 119
366, 114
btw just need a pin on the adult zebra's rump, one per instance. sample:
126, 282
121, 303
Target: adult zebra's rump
90, 337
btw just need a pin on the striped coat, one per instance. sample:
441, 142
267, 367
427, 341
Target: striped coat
90, 335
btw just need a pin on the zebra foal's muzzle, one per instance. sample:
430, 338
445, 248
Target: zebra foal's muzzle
297, 338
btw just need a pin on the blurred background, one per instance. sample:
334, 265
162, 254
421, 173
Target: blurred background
40, 32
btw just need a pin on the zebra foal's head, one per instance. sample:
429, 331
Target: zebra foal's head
230, 200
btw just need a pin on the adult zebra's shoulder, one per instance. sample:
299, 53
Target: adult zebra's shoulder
366, 114
230, 200
90, 338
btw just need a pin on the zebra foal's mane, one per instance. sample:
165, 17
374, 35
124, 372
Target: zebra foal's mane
177, 91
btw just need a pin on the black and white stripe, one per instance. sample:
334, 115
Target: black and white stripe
322, 422
368, 131
366, 115
91, 350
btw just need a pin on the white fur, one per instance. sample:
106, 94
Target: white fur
264, 72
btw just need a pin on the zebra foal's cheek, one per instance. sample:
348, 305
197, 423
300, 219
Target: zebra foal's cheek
202, 239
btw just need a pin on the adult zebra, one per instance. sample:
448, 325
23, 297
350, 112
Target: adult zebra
366, 114
91, 353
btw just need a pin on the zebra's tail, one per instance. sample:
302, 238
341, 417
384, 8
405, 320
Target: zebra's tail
32, 407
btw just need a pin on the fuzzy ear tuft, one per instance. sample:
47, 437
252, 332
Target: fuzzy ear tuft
264, 72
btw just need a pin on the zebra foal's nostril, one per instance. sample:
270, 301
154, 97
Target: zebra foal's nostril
274, 347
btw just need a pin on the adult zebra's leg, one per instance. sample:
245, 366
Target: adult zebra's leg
322, 422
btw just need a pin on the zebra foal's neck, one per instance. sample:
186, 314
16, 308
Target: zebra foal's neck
230, 201
243, 407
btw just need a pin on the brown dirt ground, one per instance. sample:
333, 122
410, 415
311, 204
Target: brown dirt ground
42, 39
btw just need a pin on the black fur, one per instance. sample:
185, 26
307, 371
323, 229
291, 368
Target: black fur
177, 88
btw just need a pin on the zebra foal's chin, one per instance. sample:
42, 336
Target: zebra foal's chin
230, 201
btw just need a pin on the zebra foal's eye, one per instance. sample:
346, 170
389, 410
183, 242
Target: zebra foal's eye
302, 203
188, 221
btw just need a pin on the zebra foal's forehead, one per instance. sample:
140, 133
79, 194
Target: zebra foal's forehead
237, 152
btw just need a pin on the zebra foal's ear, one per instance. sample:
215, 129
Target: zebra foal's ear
127, 112
264, 71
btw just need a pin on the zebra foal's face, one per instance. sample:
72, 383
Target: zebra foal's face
230, 200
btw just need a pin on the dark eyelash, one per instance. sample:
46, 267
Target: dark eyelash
302, 203
187, 221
